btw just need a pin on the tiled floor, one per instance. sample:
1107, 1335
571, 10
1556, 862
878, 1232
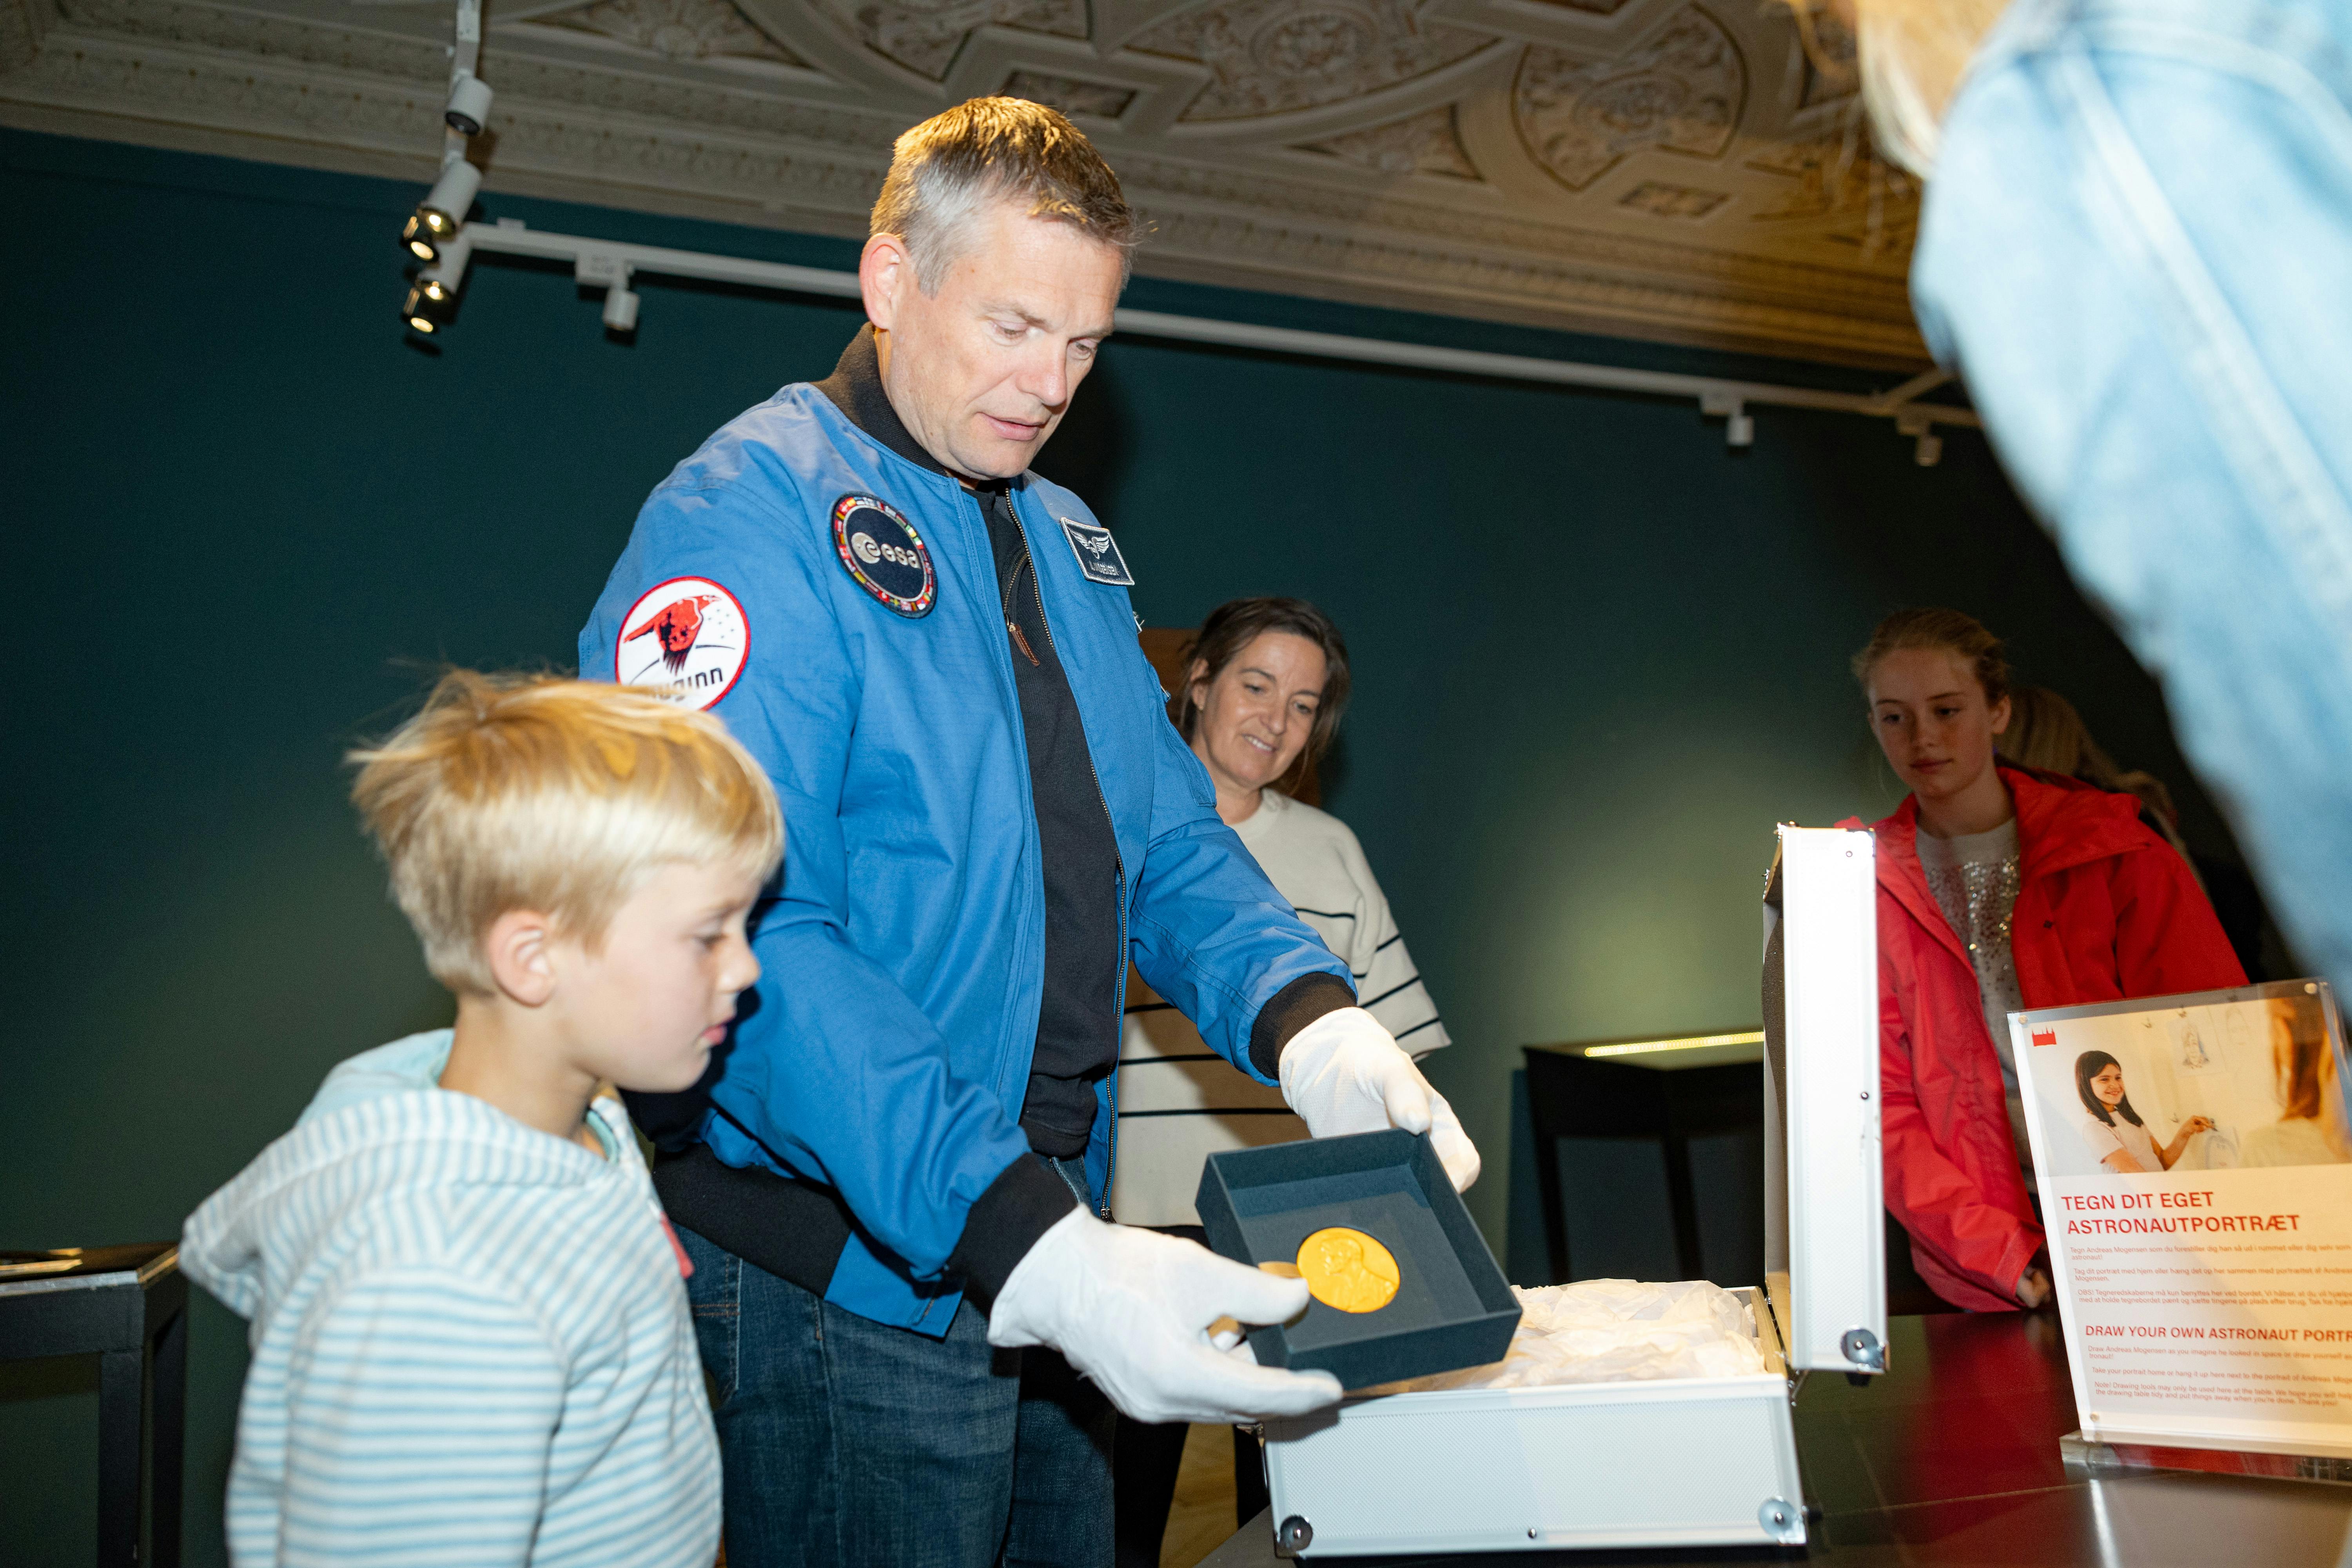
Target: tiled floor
1201, 1517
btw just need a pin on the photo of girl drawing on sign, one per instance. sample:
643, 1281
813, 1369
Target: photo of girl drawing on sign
2114, 1129
2189, 1084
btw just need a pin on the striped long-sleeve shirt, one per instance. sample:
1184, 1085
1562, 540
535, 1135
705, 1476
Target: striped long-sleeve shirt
471, 1344
1178, 1102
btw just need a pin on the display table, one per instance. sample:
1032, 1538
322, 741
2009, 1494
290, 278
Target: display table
1952, 1458
128, 1306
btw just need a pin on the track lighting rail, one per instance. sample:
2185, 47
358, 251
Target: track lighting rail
612, 264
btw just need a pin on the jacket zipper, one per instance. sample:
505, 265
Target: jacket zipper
1013, 587
1118, 984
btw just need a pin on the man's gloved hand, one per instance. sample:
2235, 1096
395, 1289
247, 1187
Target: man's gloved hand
1344, 1073
1132, 1309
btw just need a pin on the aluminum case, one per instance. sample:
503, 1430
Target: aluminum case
1685, 1462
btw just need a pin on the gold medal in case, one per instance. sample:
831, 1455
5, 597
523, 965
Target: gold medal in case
1349, 1270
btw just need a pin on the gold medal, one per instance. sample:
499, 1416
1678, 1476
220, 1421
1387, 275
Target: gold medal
1348, 1269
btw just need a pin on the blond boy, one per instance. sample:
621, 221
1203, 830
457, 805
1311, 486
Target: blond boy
470, 1337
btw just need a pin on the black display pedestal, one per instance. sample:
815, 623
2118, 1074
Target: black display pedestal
128, 1306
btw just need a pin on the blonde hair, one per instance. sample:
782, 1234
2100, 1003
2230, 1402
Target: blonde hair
2046, 731
2302, 1057
509, 792
1960, 635
1913, 54
997, 149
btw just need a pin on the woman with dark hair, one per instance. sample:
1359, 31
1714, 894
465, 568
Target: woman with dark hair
2114, 1129
2000, 888
1266, 682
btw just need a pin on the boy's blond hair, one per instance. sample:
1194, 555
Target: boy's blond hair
536, 793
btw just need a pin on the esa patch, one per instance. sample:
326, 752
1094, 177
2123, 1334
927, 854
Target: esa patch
1097, 554
686, 638
881, 550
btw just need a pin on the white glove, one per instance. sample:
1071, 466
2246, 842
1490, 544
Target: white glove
1344, 1073
1133, 1311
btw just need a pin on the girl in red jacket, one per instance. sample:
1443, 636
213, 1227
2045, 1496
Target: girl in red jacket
2000, 888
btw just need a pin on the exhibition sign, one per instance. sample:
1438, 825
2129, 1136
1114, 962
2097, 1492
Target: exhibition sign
2194, 1173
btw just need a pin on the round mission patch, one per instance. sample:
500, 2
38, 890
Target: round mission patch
882, 550
687, 638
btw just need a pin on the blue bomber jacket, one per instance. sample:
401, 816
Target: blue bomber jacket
838, 604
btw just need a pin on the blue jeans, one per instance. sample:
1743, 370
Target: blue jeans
2135, 248
846, 1442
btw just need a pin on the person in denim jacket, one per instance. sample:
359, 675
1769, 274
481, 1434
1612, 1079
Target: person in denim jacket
2136, 231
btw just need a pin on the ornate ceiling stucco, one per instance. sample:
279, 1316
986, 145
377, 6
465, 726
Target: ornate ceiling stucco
1267, 56
1682, 92
1668, 169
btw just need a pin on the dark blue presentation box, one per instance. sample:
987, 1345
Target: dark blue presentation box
1453, 1307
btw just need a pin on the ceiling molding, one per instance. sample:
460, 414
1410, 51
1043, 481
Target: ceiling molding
1744, 220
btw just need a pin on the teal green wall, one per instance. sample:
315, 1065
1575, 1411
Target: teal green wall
1598, 655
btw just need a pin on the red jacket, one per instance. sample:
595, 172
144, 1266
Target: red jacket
2106, 909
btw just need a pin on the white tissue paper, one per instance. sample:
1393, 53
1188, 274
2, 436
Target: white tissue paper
1615, 1331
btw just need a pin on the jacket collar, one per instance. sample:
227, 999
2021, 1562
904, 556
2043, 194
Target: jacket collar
856, 388
2060, 823
1905, 880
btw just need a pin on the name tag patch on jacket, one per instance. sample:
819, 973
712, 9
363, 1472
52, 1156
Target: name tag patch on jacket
881, 550
687, 638
1097, 554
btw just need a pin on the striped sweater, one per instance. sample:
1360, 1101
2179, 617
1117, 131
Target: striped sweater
470, 1339
1178, 1102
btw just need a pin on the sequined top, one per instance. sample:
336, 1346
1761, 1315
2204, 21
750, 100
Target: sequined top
1975, 878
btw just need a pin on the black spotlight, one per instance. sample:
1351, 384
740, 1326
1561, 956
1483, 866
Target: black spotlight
429, 305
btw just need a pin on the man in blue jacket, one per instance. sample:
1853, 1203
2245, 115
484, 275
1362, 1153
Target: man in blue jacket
897, 1175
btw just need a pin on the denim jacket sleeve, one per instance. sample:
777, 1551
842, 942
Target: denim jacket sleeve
826, 1027
2134, 249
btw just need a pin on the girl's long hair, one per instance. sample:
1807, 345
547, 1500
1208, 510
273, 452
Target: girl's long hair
2090, 1065
1948, 631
